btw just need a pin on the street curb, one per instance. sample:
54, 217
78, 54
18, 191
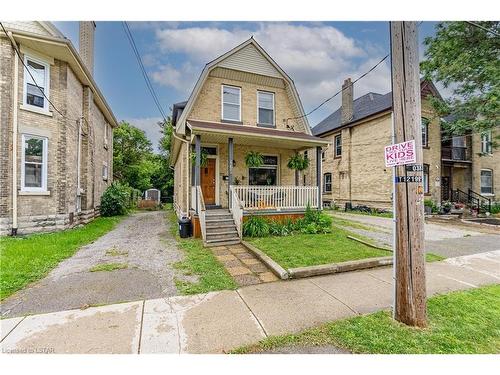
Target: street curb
326, 269
273, 266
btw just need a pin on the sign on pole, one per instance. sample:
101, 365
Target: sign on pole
400, 154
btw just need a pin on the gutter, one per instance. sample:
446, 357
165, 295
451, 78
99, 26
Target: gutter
187, 168
14, 137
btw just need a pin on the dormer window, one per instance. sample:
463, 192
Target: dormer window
265, 108
231, 103
36, 84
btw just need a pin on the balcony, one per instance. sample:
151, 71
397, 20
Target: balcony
456, 154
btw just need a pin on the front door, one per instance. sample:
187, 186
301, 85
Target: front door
208, 181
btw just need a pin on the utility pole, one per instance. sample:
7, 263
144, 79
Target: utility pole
410, 294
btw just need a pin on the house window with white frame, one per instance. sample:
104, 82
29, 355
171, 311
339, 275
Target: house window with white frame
327, 183
426, 178
106, 134
36, 83
266, 174
486, 181
105, 171
425, 132
231, 103
34, 163
265, 104
486, 142
338, 146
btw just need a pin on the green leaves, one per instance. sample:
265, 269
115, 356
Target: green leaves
298, 162
254, 159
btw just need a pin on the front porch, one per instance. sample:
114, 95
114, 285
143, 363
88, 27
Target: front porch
221, 178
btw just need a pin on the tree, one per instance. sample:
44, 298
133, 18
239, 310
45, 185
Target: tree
466, 58
133, 159
163, 178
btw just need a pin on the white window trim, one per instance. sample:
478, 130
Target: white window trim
335, 146
274, 109
481, 185
267, 166
46, 91
425, 125
105, 177
222, 102
486, 147
330, 183
106, 135
43, 188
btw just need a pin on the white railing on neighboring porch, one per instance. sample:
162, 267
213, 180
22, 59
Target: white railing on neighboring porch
201, 212
237, 210
276, 197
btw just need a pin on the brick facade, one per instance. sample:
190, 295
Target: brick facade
56, 208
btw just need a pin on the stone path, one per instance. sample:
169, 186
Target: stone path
141, 242
242, 265
218, 322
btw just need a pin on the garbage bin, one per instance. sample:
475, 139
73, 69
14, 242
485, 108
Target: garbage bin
348, 206
185, 227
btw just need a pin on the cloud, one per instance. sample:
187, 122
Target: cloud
150, 127
318, 57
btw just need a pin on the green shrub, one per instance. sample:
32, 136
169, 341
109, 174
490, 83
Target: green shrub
115, 200
277, 228
495, 208
256, 226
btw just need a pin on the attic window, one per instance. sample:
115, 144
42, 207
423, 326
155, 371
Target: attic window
231, 103
265, 108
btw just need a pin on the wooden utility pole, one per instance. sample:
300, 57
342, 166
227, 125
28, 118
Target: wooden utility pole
410, 294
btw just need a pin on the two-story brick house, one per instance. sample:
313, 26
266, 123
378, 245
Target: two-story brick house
353, 163
243, 103
56, 133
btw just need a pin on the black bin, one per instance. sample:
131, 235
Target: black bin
348, 206
185, 227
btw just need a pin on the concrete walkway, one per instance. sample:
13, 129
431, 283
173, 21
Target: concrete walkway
142, 243
220, 321
445, 239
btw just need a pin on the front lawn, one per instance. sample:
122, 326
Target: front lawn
199, 262
301, 250
25, 259
458, 323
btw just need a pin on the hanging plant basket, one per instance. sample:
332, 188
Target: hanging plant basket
298, 162
254, 159
203, 158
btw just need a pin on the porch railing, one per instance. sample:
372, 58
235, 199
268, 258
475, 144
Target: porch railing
236, 210
276, 197
201, 212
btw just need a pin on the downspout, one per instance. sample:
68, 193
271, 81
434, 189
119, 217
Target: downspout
187, 167
78, 163
14, 136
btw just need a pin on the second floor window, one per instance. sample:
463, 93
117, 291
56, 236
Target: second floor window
425, 132
327, 182
338, 145
231, 103
486, 143
265, 103
36, 83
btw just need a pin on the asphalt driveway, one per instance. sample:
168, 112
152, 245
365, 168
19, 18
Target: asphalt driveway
141, 243
445, 239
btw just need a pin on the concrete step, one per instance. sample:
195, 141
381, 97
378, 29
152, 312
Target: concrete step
218, 216
227, 236
217, 231
221, 221
213, 243
219, 226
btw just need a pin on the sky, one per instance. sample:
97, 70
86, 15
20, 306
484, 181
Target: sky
318, 56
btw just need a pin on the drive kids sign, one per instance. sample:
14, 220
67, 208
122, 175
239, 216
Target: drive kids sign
400, 154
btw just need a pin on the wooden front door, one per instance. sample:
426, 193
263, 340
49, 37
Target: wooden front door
208, 181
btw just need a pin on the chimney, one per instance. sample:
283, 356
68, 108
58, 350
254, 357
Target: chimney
347, 102
87, 29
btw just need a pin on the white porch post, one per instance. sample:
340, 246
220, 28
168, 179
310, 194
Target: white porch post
197, 149
318, 176
230, 157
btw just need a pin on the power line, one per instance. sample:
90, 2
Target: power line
483, 28
150, 87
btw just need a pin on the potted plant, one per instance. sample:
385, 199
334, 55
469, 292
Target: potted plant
203, 158
446, 207
428, 205
298, 162
254, 159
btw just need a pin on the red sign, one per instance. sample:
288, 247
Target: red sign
400, 154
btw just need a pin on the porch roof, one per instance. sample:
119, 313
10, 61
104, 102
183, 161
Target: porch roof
217, 132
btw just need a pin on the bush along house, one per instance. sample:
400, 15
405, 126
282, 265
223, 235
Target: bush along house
56, 132
458, 169
237, 146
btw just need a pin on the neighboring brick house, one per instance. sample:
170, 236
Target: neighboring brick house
353, 163
62, 162
243, 102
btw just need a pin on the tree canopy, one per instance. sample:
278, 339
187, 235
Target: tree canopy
466, 59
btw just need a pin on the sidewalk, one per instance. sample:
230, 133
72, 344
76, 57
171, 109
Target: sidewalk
220, 321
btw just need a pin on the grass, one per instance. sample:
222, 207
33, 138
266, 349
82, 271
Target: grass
113, 252
349, 223
300, 250
29, 258
200, 262
108, 267
458, 323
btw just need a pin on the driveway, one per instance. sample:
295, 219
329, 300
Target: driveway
445, 239
141, 242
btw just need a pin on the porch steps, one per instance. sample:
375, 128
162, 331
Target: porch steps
220, 229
